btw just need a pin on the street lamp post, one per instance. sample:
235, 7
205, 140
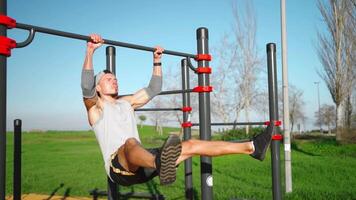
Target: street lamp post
317, 84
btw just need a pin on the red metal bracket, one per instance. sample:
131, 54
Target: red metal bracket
187, 109
7, 21
201, 57
186, 124
277, 137
6, 44
203, 70
276, 123
203, 89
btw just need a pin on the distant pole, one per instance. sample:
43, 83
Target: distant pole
319, 113
287, 146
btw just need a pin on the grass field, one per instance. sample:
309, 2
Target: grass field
70, 163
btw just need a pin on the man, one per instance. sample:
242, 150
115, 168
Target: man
114, 124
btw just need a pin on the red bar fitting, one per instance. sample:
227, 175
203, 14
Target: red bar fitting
5, 50
7, 21
276, 123
203, 89
187, 109
277, 137
186, 124
203, 70
5, 41
201, 57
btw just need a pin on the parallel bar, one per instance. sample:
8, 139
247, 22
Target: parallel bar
273, 110
17, 159
111, 65
204, 117
106, 41
158, 109
233, 124
3, 67
188, 169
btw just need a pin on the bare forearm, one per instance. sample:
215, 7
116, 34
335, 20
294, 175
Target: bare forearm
88, 60
157, 70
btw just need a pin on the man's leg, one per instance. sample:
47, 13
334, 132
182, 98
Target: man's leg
213, 148
132, 156
256, 148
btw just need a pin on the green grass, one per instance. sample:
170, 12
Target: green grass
71, 162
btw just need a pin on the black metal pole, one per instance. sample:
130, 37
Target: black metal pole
204, 116
111, 59
17, 159
233, 124
273, 110
3, 66
188, 171
167, 92
111, 65
86, 38
158, 109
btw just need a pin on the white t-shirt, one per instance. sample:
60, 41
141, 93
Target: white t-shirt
116, 124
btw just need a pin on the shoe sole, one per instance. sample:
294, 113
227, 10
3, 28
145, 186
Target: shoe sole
170, 152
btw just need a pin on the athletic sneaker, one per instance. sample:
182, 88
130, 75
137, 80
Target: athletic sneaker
261, 143
166, 159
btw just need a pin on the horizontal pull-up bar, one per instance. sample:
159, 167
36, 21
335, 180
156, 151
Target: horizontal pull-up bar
166, 92
234, 124
159, 109
106, 41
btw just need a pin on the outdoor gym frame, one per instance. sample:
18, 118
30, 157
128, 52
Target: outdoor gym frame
203, 70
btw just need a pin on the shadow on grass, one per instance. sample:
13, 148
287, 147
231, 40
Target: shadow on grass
66, 193
296, 148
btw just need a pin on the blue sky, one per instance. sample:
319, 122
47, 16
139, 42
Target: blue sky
44, 78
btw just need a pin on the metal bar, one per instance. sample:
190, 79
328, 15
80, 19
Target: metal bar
17, 160
111, 65
204, 117
166, 92
158, 109
273, 110
106, 41
188, 169
233, 124
3, 67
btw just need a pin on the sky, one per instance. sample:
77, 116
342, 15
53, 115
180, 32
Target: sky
43, 87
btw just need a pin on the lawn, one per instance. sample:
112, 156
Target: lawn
70, 163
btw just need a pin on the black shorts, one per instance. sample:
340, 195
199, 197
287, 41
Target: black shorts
142, 174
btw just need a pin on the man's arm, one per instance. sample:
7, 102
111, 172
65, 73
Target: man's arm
87, 81
144, 95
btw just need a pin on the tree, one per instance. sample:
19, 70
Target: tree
327, 116
142, 119
336, 52
296, 112
238, 67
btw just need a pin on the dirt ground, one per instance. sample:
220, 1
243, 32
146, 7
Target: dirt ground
48, 197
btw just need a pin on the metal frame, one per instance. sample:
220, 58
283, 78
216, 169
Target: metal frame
204, 100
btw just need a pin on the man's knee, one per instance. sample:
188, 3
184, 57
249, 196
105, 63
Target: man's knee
130, 143
188, 147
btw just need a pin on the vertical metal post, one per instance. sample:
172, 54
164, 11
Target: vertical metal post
187, 130
17, 159
3, 32
287, 146
273, 110
204, 116
110, 59
111, 65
